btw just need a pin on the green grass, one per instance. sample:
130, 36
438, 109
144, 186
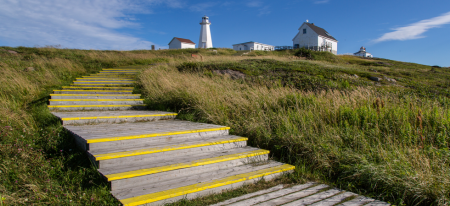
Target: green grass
386, 140
39, 162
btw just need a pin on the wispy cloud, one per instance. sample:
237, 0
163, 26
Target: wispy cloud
415, 30
263, 10
202, 7
321, 1
74, 24
254, 3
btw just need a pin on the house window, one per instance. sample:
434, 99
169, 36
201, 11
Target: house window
304, 31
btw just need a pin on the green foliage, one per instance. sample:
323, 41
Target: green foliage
316, 55
388, 144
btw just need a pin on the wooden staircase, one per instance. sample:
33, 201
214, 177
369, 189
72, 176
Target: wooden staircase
149, 157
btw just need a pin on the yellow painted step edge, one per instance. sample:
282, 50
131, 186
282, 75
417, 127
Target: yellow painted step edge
195, 163
119, 69
105, 79
131, 88
110, 139
157, 196
91, 77
68, 106
108, 81
115, 76
104, 76
92, 100
128, 70
116, 155
92, 91
90, 95
126, 116
100, 84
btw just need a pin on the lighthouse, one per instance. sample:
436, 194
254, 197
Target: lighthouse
205, 34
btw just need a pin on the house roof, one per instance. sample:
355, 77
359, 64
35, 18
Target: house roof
253, 42
187, 41
320, 31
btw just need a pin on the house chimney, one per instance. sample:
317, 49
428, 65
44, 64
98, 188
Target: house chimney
312, 23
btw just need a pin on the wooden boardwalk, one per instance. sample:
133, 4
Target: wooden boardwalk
150, 158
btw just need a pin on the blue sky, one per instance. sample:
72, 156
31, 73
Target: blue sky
405, 30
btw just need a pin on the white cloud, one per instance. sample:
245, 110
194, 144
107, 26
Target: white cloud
84, 24
202, 7
415, 30
321, 1
263, 10
254, 3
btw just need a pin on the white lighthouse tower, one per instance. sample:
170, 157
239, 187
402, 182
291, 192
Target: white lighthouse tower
205, 34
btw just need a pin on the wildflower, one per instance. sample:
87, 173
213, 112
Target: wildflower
92, 198
56, 195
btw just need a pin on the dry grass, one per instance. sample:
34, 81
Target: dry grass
39, 163
359, 141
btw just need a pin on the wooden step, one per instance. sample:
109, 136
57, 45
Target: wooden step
145, 173
200, 184
95, 117
133, 134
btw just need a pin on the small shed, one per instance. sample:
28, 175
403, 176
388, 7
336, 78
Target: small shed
253, 46
180, 43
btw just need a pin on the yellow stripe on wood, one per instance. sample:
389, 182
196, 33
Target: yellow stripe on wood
110, 139
109, 91
71, 106
90, 95
115, 155
157, 196
195, 163
92, 100
123, 116
130, 88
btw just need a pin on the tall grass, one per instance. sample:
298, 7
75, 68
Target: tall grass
389, 146
39, 163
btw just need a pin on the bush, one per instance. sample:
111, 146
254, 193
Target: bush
316, 55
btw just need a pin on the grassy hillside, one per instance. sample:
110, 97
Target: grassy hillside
386, 139
321, 112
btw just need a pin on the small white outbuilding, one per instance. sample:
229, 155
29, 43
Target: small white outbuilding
362, 53
180, 43
253, 46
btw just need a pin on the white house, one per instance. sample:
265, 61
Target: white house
180, 43
253, 46
362, 53
315, 38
